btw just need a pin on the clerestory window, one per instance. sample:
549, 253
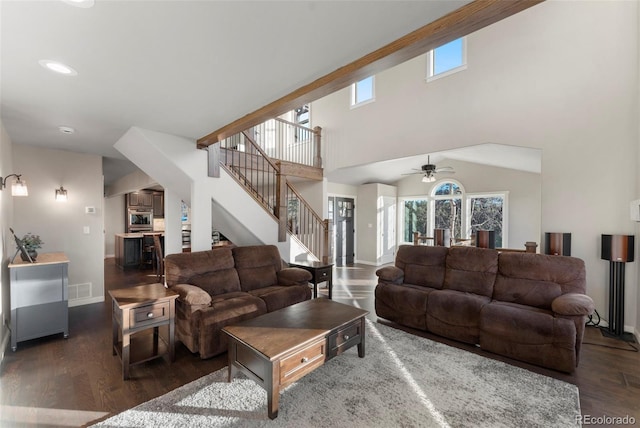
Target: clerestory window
363, 92
447, 59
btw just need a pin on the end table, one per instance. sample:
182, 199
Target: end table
136, 309
320, 272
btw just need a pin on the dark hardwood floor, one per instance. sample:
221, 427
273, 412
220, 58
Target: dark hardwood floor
56, 382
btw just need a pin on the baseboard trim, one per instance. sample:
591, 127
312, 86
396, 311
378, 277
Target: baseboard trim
88, 301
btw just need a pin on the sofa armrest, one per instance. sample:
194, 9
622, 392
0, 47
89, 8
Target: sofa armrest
391, 274
192, 295
572, 304
293, 276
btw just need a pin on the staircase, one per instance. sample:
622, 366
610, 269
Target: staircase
260, 159
246, 177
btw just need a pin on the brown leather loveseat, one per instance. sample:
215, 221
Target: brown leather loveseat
223, 286
530, 307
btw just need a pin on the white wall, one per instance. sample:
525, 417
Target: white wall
543, 78
61, 224
114, 222
523, 218
7, 246
370, 222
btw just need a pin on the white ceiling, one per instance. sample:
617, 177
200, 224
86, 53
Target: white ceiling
181, 67
390, 171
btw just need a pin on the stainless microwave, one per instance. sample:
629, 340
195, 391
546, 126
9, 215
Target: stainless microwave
139, 220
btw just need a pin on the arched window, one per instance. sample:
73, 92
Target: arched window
449, 206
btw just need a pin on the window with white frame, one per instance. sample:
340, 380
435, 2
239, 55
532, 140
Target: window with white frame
447, 208
487, 212
415, 217
362, 92
447, 59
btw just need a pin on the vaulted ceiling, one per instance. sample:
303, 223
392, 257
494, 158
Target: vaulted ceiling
181, 67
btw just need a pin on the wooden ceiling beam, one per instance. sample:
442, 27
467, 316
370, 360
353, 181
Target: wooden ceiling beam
461, 22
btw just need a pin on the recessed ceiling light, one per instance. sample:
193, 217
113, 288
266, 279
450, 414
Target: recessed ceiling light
80, 3
66, 129
58, 67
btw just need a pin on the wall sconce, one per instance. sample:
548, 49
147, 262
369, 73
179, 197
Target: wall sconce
61, 194
18, 188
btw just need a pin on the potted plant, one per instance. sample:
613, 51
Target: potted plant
31, 243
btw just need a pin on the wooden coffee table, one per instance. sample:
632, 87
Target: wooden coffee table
278, 348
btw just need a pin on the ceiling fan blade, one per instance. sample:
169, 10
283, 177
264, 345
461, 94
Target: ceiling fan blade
444, 169
412, 173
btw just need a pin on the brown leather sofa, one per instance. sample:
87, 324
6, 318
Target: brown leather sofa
223, 286
530, 307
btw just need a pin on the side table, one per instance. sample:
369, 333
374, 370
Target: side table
136, 309
320, 272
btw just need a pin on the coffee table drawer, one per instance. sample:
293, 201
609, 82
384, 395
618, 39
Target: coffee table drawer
302, 362
149, 314
344, 338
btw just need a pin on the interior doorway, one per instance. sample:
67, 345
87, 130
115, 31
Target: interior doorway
342, 212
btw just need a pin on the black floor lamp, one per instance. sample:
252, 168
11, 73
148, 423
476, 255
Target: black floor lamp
618, 249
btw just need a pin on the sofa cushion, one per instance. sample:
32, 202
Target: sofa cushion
471, 270
257, 265
422, 265
573, 304
277, 296
293, 276
192, 295
455, 314
211, 270
405, 304
537, 279
529, 334
226, 309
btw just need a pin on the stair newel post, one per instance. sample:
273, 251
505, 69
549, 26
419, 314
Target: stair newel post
281, 204
317, 131
213, 158
326, 248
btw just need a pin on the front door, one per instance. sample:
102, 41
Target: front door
344, 232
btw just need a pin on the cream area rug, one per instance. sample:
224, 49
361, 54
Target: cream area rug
403, 381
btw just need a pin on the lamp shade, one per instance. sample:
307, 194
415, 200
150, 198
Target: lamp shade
617, 248
557, 244
19, 188
485, 238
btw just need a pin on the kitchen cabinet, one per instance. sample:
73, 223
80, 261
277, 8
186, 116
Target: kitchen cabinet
140, 200
158, 204
128, 250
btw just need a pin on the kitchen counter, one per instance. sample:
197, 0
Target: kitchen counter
128, 248
137, 235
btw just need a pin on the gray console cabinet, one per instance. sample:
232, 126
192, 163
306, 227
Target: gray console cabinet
39, 297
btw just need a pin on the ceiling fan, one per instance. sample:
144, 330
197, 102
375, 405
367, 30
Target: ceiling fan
429, 171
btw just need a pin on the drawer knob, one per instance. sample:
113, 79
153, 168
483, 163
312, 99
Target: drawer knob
150, 315
346, 337
304, 360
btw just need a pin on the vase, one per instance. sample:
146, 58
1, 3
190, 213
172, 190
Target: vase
32, 253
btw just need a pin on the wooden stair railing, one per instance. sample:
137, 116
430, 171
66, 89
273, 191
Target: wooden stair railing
251, 167
288, 141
